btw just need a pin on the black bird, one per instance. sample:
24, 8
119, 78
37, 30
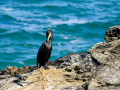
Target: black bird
44, 51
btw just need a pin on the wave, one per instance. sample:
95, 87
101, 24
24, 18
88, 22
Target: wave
54, 4
48, 3
20, 62
7, 9
68, 22
76, 41
65, 36
7, 18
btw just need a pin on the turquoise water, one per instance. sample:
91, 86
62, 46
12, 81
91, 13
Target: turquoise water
77, 25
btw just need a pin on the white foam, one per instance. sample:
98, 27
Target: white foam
21, 62
80, 46
64, 36
76, 40
7, 9
68, 22
59, 44
54, 4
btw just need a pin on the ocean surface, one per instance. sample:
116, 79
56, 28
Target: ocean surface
77, 25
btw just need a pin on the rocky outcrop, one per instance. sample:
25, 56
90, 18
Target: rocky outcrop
98, 69
53, 78
41, 79
107, 54
13, 71
112, 34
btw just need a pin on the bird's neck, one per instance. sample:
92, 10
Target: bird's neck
49, 41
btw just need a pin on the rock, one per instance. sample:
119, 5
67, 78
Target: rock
112, 34
5, 76
106, 53
84, 69
98, 69
108, 78
13, 71
60, 60
71, 60
80, 65
40, 79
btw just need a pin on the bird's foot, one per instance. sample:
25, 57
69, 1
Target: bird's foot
45, 67
38, 65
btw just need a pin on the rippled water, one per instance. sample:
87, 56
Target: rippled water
77, 25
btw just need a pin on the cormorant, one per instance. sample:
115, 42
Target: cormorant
44, 51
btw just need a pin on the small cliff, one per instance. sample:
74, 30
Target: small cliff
98, 69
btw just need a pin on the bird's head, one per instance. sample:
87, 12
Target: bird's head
49, 35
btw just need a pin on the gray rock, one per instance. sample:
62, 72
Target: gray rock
106, 53
107, 78
71, 60
57, 63
112, 34
85, 69
81, 65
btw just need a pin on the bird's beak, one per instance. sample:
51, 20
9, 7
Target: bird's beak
49, 36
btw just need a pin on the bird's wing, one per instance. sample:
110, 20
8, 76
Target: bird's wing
41, 50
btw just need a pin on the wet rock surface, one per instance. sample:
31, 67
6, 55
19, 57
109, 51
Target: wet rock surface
98, 69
